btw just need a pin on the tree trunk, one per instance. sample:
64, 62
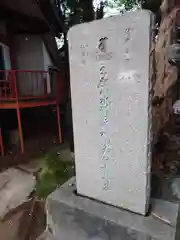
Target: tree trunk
87, 10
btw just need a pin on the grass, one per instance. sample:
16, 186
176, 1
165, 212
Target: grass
54, 172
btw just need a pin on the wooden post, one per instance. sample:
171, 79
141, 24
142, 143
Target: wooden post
20, 129
1, 142
59, 123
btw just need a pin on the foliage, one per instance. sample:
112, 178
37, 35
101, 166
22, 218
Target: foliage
53, 173
126, 4
72, 12
152, 5
129, 4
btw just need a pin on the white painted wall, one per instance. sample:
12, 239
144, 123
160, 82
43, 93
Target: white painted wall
47, 60
47, 63
6, 51
31, 54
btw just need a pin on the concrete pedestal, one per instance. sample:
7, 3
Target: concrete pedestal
72, 217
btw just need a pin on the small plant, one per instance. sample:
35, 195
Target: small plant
54, 172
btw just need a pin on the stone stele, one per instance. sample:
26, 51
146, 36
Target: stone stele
110, 70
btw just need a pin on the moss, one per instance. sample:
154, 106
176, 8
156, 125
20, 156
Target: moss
54, 172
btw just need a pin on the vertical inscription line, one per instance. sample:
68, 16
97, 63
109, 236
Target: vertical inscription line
104, 108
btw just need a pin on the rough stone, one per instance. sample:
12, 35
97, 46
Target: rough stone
165, 211
110, 89
46, 236
15, 187
66, 155
9, 229
32, 167
169, 188
70, 216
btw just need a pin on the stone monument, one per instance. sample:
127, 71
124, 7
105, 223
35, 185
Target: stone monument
111, 81
110, 86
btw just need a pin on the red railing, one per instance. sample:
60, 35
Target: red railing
29, 84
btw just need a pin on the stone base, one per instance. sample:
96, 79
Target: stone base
72, 217
45, 236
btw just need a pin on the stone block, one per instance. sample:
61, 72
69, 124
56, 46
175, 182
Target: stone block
15, 188
32, 167
110, 86
70, 216
46, 236
171, 188
165, 211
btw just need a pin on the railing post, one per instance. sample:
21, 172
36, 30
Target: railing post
14, 80
1, 142
50, 83
18, 111
56, 87
59, 122
20, 128
45, 79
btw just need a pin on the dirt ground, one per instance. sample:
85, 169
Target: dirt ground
33, 149
40, 134
27, 222
23, 224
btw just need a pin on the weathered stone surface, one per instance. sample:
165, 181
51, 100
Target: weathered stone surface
15, 187
32, 167
46, 236
166, 211
9, 229
74, 217
66, 155
169, 188
110, 89
176, 107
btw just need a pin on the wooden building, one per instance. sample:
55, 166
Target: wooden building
29, 59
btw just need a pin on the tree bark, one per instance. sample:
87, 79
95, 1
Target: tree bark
87, 10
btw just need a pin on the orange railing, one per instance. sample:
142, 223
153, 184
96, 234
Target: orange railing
29, 84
